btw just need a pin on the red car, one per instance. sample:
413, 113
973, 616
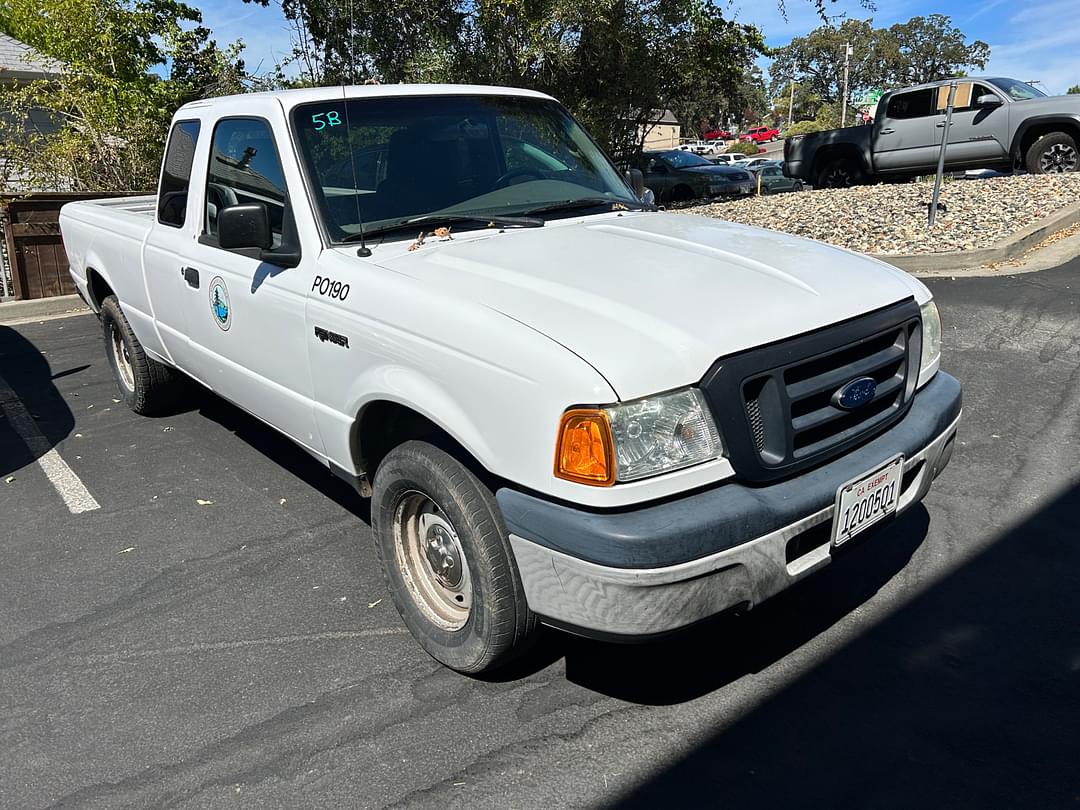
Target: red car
760, 135
716, 135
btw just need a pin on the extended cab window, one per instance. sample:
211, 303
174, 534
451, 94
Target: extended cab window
244, 168
917, 104
176, 173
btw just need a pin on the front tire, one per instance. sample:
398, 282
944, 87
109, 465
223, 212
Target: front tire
446, 557
145, 385
1055, 153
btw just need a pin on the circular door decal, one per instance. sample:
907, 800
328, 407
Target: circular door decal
219, 303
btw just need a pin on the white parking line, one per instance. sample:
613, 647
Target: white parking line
60, 475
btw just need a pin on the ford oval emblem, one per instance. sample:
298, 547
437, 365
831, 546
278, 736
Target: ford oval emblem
855, 394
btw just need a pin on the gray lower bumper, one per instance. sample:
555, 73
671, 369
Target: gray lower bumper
642, 601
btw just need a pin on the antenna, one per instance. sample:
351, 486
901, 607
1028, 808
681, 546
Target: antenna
364, 250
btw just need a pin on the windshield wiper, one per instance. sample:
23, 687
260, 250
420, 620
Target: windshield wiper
587, 202
494, 221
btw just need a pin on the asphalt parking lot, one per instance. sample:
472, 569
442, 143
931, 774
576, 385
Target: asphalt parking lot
216, 633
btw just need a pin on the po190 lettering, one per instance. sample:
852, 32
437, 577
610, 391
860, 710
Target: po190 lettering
330, 288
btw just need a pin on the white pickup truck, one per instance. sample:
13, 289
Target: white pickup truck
567, 406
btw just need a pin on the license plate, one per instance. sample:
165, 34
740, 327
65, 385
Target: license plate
866, 500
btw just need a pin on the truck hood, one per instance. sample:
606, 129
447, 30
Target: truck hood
651, 300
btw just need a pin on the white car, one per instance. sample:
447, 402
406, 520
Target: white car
566, 406
729, 159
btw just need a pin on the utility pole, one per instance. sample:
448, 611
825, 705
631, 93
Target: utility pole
791, 101
847, 57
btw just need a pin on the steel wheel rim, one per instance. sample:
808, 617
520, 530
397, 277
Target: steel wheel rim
432, 562
1059, 158
122, 357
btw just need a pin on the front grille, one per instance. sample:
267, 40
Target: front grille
775, 404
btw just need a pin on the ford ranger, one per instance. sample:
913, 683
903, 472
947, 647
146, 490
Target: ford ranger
566, 406
996, 124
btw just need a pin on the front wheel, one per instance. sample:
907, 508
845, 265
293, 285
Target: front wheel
1055, 153
146, 385
446, 557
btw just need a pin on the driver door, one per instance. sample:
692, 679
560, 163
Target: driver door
246, 318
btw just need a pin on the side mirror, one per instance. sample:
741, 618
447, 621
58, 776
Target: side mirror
244, 226
648, 197
988, 100
636, 180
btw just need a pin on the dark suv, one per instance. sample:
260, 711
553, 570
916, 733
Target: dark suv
677, 176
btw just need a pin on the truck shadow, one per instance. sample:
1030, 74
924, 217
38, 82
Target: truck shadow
279, 449
29, 402
717, 652
966, 696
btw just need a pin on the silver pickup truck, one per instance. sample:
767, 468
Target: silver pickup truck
996, 123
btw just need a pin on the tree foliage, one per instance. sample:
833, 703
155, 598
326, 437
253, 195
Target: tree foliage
923, 49
611, 61
99, 121
1074, 90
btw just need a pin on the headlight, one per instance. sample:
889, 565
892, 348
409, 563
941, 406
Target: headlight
931, 338
663, 433
634, 440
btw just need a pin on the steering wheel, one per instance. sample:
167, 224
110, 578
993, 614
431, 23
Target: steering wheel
220, 195
505, 179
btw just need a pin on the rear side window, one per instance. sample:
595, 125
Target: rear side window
176, 173
917, 104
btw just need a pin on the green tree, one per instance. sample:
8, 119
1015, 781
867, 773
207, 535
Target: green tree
104, 112
1074, 90
923, 49
926, 49
611, 61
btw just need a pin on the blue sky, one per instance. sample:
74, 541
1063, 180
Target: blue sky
1036, 39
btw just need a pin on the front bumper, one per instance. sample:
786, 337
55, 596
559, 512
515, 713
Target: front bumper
668, 565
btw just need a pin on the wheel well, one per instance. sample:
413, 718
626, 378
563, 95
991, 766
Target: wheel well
383, 425
1039, 130
98, 288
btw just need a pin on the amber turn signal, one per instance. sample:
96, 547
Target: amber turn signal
585, 452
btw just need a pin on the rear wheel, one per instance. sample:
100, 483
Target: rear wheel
839, 173
1053, 154
798, 186
446, 557
146, 385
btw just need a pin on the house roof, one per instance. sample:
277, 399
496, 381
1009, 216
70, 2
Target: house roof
19, 61
663, 117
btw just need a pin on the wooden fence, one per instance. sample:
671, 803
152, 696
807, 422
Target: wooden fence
35, 251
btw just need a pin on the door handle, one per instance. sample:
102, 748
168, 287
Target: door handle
886, 131
191, 276
941, 125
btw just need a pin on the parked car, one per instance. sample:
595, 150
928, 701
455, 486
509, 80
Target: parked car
678, 176
729, 159
760, 135
1003, 123
572, 409
756, 161
772, 180
717, 135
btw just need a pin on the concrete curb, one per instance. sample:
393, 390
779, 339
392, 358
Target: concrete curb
1011, 247
41, 308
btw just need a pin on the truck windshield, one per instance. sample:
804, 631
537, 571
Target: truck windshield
385, 160
1017, 91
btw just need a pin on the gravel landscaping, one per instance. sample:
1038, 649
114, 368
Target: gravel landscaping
891, 218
